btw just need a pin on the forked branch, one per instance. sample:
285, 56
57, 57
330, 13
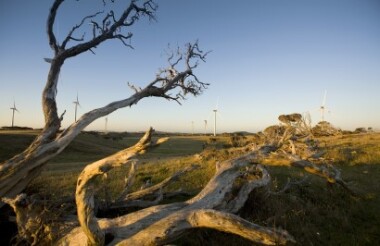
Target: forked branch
227, 222
85, 185
161, 224
49, 144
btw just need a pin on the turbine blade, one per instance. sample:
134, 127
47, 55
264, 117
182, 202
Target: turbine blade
77, 101
324, 98
48, 60
217, 103
219, 115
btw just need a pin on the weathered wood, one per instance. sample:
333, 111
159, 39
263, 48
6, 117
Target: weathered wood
19, 171
212, 208
160, 224
328, 172
225, 194
84, 195
29, 218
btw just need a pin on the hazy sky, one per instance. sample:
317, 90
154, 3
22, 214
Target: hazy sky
268, 58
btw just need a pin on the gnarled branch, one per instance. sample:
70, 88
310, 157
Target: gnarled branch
85, 191
161, 224
15, 173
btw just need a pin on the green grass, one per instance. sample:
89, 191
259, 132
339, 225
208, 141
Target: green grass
13, 142
60, 174
315, 213
321, 214
353, 149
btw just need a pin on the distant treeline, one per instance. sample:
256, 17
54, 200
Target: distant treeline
16, 128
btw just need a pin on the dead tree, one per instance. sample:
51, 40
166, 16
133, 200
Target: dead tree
169, 83
215, 206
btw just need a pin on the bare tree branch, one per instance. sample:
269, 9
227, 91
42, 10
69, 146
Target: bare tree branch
110, 27
160, 224
124, 39
234, 224
251, 183
130, 179
225, 193
76, 27
85, 190
50, 23
49, 144
329, 172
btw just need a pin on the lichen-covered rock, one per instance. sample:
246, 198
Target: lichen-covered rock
290, 118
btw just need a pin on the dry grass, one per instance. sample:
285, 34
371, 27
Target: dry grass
314, 213
353, 149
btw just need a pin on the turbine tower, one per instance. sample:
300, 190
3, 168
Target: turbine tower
13, 113
192, 127
323, 106
76, 107
215, 110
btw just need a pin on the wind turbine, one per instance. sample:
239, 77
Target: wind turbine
76, 107
215, 112
323, 106
13, 113
192, 127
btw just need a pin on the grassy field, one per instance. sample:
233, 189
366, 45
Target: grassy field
315, 213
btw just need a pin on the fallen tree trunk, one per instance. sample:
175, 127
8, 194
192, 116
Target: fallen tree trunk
161, 224
214, 207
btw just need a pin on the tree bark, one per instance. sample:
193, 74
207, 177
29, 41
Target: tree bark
18, 172
216, 204
161, 224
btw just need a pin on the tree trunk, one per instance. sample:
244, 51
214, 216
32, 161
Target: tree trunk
161, 224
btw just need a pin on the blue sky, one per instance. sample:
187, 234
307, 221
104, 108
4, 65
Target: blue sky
268, 58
